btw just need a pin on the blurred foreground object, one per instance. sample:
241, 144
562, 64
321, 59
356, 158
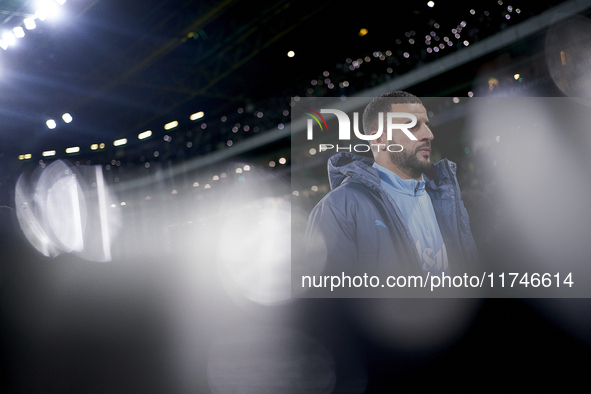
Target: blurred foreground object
568, 56
65, 210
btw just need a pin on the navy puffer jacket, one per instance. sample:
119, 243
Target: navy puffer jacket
357, 227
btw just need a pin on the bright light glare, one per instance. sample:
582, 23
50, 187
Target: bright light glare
67, 117
61, 2
291, 54
73, 149
30, 23
51, 124
94, 146
431, 4
9, 38
3, 45
144, 135
40, 14
47, 9
19, 32
120, 142
197, 115
171, 125
48, 153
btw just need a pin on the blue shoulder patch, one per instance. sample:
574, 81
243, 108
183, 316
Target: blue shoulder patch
380, 223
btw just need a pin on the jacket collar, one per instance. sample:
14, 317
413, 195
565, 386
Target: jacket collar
344, 167
410, 187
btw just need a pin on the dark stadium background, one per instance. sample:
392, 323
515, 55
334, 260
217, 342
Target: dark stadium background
191, 202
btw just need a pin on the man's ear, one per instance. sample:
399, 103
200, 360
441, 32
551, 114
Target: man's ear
379, 140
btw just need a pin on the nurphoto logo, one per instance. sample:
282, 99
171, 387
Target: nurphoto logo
345, 129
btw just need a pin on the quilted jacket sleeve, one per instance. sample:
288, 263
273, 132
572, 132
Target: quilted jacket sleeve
330, 239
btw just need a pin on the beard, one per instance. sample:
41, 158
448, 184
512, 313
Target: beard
409, 160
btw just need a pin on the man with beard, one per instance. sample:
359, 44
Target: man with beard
398, 213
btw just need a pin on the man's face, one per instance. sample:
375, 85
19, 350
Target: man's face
415, 158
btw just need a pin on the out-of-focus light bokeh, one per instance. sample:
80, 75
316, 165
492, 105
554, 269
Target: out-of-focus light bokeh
568, 56
257, 266
415, 325
59, 214
533, 143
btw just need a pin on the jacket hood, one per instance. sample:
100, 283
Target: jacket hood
347, 165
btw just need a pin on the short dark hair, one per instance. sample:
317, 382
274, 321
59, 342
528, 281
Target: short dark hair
379, 104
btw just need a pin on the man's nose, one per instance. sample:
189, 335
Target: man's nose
425, 134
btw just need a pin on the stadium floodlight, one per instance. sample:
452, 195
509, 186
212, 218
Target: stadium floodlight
73, 149
47, 9
67, 117
120, 142
197, 115
9, 38
51, 124
19, 32
144, 135
30, 23
40, 14
48, 153
171, 125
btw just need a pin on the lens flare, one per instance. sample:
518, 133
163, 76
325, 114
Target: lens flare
60, 213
